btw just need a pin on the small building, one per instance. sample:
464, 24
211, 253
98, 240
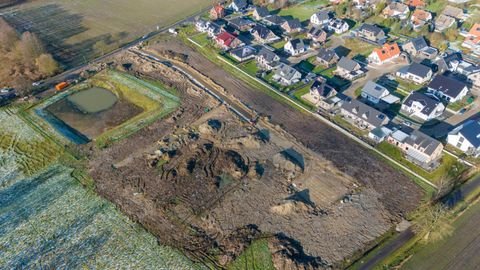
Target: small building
387, 53
226, 41
372, 33
443, 22
217, 12
317, 35
466, 138
420, 106
338, 26
327, 57
420, 18
379, 134
263, 35
274, 20
267, 59
454, 12
373, 92
292, 26
320, 18
295, 47
472, 39
244, 53
422, 149
418, 47
362, 115
241, 24
449, 89
320, 90
238, 5
416, 73
474, 79
396, 10
286, 75
349, 69
260, 12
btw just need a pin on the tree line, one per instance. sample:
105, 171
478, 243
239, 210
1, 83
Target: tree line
24, 59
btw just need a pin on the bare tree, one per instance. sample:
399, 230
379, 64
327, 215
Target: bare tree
47, 65
8, 36
433, 223
30, 47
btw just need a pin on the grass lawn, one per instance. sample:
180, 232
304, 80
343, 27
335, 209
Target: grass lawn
250, 67
436, 6
358, 92
278, 45
302, 91
305, 66
339, 120
324, 71
358, 47
201, 39
457, 106
304, 10
256, 257
449, 166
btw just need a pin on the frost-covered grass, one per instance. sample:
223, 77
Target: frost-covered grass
50, 221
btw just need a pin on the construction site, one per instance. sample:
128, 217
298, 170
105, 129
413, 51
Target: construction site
231, 165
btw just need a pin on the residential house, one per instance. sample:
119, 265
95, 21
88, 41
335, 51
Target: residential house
443, 22
320, 18
387, 53
318, 35
292, 26
450, 62
238, 5
217, 12
327, 57
415, 3
466, 137
201, 26
396, 10
474, 79
448, 88
373, 92
349, 69
416, 73
295, 47
214, 29
226, 41
472, 39
422, 149
419, 18
338, 26
241, 24
372, 33
362, 115
366, 4
423, 107
379, 134
274, 20
286, 75
244, 53
263, 35
454, 12
418, 47
320, 90
267, 59
260, 12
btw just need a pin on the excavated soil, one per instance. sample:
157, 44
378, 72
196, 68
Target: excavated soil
206, 182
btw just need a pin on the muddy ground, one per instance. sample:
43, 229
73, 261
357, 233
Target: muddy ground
208, 183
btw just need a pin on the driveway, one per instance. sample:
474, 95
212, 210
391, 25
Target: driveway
471, 112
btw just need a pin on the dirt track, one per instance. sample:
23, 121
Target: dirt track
398, 193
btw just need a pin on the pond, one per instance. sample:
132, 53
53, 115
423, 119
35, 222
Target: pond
93, 100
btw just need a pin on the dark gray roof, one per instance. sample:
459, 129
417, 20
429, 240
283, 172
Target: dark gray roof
262, 31
294, 23
423, 142
323, 15
347, 64
239, 22
262, 11
316, 32
418, 70
275, 19
448, 86
241, 3
336, 23
267, 54
320, 85
363, 111
297, 43
419, 43
326, 54
429, 104
471, 131
244, 51
371, 28
285, 71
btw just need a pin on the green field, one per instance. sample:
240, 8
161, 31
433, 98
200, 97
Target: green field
49, 220
304, 10
77, 31
256, 257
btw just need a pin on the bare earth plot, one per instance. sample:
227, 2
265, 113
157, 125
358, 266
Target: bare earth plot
71, 28
460, 251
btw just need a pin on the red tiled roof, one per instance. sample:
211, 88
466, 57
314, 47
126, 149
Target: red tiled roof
226, 38
415, 3
388, 51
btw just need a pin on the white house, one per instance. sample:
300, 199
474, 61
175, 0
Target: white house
422, 107
238, 5
286, 75
338, 26
320, 18
416, 73
374, 92
449, 89
466, 138
295, 47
